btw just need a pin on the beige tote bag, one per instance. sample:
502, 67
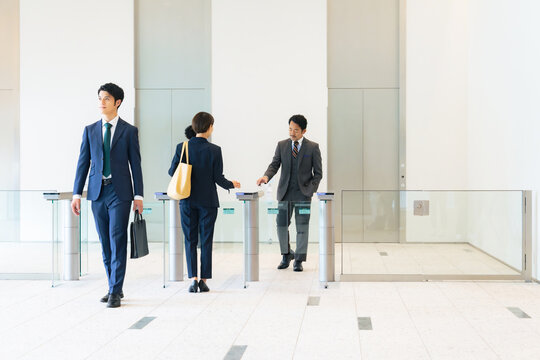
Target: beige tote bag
180, 184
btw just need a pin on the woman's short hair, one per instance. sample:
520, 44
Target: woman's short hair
201, 122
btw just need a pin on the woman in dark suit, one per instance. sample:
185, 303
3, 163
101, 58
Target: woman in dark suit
199, 210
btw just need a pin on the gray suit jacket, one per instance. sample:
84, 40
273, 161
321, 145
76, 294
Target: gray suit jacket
309, 167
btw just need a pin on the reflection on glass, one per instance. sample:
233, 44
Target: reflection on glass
229, 223
26, 243
432, 232
302, 212
83, 228
370, 216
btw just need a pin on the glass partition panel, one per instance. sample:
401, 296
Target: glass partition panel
447, 233
154, 218
268, 212
229, 227
56, 242
29, 244
304, 225
160, 213
83, 228
297, 221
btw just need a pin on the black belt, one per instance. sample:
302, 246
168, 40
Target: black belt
106, 182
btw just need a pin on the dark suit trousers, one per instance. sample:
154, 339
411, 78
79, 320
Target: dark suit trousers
112, 217
195, 220
301, 211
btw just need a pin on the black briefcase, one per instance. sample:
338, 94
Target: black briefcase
139, 240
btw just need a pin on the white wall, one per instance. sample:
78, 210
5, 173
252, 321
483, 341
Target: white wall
68, 49
9, 94
436, 94
504, 56
268, 63
472, 95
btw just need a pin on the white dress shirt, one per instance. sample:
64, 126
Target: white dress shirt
299, 143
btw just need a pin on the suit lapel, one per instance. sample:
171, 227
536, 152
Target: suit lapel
120, 127
97, 137
286, 159
302, 151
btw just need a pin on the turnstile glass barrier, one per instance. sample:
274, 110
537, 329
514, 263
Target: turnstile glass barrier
229, 223
84, 226
423, 235
30, 247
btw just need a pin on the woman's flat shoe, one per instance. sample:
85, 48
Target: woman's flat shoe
193, 287
203, 287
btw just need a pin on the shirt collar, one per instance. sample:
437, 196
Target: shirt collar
113, 122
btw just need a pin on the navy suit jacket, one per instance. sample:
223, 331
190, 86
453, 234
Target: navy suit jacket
125, 153
206, 172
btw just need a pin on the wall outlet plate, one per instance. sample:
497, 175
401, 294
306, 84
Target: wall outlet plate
421, 207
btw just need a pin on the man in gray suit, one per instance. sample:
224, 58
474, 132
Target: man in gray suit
301, 173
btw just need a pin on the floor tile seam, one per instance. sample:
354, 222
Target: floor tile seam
255, 308
60, 333
33, 296
120, 333
527, 289
470, 324
46, 312
302, 321
413, 323
185, 327
72, 327
496, 299
358, 336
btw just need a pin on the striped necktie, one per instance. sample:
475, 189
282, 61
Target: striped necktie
295, 149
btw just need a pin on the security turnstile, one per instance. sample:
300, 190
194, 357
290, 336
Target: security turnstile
251, 234
176, 248
326, 239
71, 234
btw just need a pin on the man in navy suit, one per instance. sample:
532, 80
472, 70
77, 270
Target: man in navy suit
110, 147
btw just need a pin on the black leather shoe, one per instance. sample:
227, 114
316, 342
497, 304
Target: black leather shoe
203, 287
297, 266
106, 297
194, 286
114, 301
287, 258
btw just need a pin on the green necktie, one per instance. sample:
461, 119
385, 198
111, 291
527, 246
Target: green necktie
107, 150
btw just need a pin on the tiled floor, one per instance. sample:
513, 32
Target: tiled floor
271, 319
358, 258
420, 258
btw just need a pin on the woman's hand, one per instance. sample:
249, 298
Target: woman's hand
236, 184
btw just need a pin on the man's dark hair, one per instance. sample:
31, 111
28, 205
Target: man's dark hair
201, 122
189, 132
116, 91
300, 120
